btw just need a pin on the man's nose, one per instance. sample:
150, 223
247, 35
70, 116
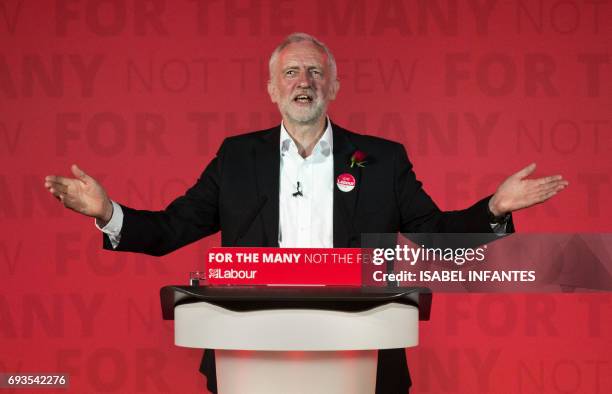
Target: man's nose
304, 80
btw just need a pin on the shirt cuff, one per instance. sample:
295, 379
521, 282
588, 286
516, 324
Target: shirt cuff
499, 228
114, 225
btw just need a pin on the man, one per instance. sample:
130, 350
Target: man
305, 183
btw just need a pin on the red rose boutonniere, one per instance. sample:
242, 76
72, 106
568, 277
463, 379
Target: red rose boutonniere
358, 159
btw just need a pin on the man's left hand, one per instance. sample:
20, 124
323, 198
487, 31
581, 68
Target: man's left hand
516, 192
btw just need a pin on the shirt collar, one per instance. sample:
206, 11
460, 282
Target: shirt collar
324, 146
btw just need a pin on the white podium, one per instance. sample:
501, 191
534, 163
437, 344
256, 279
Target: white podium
295, 341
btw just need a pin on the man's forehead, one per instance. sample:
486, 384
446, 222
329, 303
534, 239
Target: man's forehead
299, 52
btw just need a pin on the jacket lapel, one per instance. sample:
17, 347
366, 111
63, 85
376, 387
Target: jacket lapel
345, 234
267, 172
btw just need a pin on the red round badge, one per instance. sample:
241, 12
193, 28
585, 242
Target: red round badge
345, 182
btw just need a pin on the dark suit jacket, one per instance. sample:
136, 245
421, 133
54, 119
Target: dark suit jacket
238, 194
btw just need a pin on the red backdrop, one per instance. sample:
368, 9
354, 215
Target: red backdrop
140, 94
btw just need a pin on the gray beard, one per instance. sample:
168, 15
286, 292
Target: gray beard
303, 118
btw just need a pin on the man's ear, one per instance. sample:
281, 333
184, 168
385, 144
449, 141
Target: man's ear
272, 91
334, 89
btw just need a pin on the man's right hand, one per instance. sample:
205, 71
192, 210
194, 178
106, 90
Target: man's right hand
82, 194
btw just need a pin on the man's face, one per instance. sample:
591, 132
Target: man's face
301, 83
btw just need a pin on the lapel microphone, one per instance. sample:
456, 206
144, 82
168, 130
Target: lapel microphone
298, 190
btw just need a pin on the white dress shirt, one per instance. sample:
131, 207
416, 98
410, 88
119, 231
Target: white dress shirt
306, 220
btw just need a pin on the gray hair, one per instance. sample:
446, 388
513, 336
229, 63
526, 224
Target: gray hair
299, 37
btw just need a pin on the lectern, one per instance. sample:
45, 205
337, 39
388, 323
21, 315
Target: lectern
295, 339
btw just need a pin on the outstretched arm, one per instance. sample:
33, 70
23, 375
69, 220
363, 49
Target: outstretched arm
187, 219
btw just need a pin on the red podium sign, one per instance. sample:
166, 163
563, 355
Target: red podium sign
286, 266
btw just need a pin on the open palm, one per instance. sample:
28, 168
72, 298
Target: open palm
82, 194
517, 192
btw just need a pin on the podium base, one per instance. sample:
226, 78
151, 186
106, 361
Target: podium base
296, 372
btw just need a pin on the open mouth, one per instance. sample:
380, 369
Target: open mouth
303, 99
